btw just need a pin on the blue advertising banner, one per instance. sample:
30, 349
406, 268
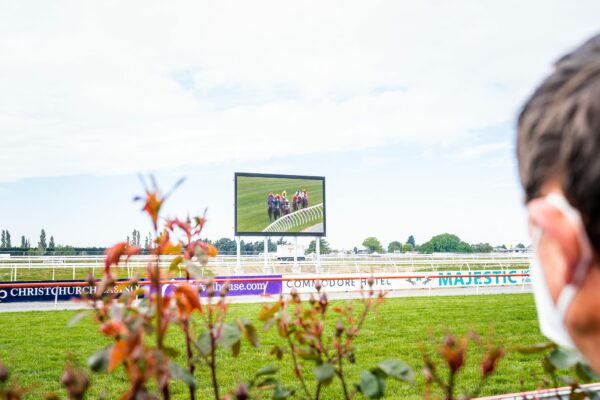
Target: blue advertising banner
51, 293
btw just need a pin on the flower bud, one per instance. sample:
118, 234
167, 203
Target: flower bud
76, 382
224, 290
490, 361
323, 302
318, 286
312, 300
91, 279
3, 373
428, 375
371, 281
210, 288
295, 296
449, 341
339, 328
242, 392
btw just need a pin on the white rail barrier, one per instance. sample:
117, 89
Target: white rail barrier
67, 267
296, 218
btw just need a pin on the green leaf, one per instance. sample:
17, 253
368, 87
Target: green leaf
308, 353
98, 362
235, 349
585, 373
397, 370
182, 374
195, 271
203, 344
268, 383
75, 320
324, 373
249, 331
282, 393
230, 335
171, 351
563, 358
174, 266
268, 370
268, 312
371, 386
278, 351
536, 348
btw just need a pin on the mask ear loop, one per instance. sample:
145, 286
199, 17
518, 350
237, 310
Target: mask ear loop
585, 248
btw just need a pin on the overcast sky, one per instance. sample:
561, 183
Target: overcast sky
406, 107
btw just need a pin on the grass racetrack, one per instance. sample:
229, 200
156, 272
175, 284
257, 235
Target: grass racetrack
34, 346
252, 195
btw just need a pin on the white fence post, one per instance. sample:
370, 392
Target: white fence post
318, 255
266, 269
238, 263
295, 268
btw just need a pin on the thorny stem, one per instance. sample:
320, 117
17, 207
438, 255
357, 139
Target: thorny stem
341, 375
159, 335
213, 347
450, 387
297, 368
188, 344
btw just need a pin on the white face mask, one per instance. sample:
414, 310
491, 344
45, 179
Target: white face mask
552, 316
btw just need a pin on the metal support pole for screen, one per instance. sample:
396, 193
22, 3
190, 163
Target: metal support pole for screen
295, 268
318, 255
266, 269
238, 262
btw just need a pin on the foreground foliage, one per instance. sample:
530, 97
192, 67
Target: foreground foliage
316, 338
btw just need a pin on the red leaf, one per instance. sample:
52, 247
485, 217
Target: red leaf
117, 354
132, 251
152, 206
114, 328
209, 249
113, 255
189, 295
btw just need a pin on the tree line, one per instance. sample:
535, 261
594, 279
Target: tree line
443, 243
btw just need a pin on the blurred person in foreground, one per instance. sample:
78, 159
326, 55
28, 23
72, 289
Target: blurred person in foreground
558, 152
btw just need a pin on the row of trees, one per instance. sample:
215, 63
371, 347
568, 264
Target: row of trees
444, 243
43, 244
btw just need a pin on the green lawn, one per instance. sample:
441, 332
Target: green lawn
252, 195
34, 345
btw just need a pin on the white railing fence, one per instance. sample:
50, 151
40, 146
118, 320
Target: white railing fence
77, 267
296, 218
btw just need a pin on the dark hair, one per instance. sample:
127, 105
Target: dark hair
559, 134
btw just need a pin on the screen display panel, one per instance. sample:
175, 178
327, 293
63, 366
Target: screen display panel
279, 205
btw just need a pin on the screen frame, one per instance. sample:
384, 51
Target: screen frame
280, 234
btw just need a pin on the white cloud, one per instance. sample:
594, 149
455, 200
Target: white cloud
118, 87
481, 150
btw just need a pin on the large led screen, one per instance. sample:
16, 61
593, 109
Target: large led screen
279, 205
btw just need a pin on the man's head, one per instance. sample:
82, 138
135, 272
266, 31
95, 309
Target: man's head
558, 151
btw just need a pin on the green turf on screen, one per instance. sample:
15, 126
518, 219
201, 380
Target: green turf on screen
34, 345
252, 195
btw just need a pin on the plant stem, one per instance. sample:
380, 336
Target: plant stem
159, 334
318, 394
450, 387
341, 375
213, 348
297, 368
188, 344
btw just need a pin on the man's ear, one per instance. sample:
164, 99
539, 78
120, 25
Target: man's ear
555, 224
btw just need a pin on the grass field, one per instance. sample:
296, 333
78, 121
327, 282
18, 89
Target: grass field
34, 345
252, 195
